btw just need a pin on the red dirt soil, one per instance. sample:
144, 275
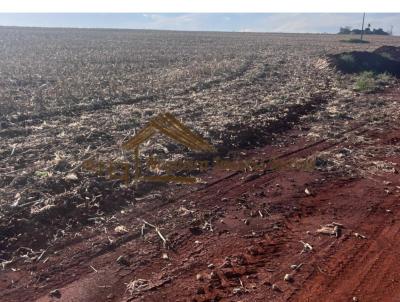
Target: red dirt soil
237, 236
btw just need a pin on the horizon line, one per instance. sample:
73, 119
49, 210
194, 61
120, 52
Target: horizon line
175, 30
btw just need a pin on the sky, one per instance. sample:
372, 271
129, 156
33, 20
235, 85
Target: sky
266, 22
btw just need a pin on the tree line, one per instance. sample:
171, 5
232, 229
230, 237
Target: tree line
367, 31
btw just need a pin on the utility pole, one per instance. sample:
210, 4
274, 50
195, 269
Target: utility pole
362, 28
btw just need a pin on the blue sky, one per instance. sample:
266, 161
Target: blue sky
267, 22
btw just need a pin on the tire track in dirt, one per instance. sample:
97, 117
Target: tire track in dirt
377, 271
345, 280
366, 269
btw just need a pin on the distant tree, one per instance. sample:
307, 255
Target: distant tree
356, 31
345, 30
379, 31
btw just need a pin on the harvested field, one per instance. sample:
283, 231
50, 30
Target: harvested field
68, 234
